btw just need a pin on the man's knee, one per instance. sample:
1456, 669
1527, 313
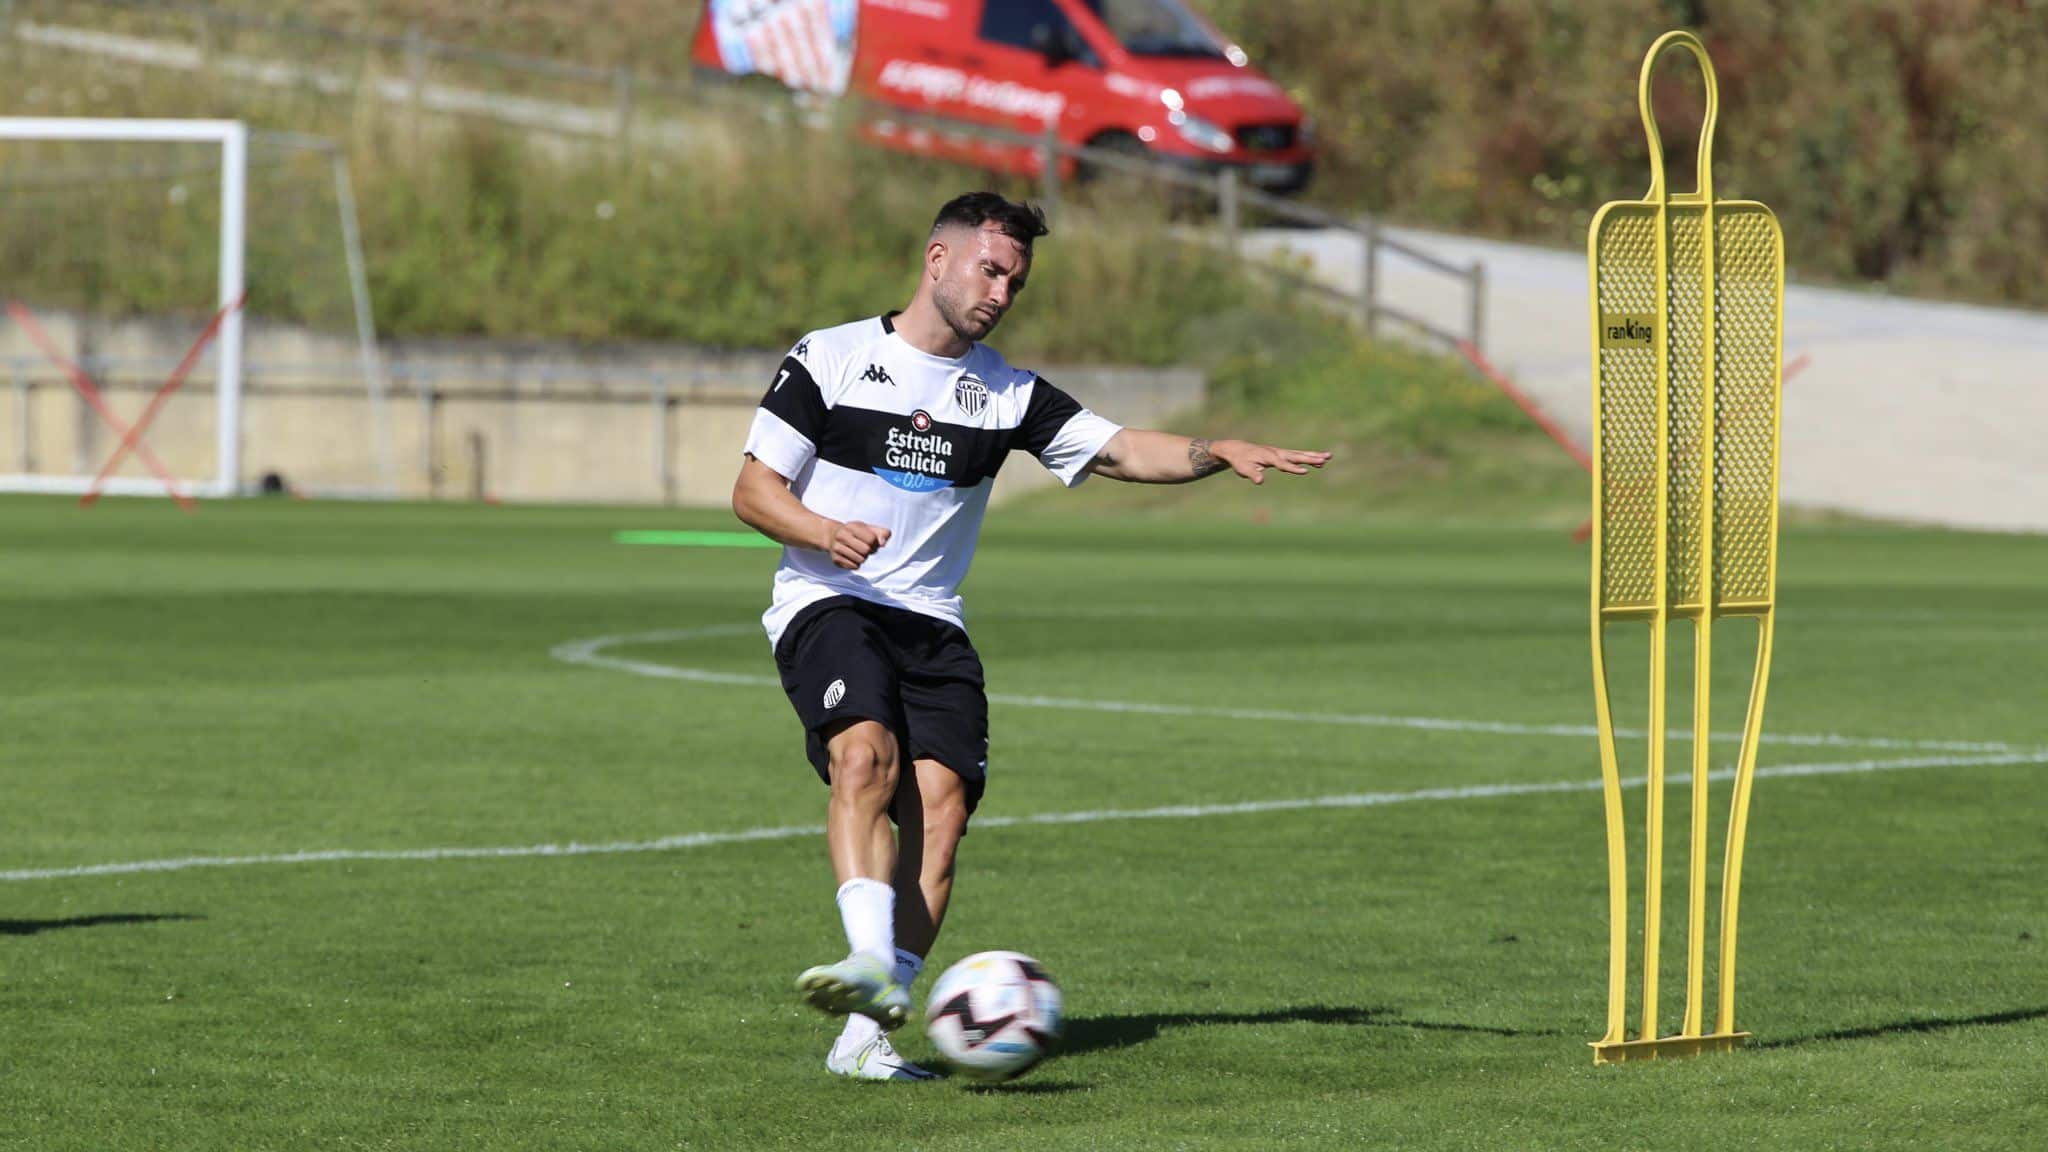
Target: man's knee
863, 761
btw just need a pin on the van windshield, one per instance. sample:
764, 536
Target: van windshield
1157, 28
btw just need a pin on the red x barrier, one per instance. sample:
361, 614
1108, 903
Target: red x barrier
131, 437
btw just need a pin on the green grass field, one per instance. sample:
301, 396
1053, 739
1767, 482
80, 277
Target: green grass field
1388, 970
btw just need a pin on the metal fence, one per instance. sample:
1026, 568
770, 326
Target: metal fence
1234, 203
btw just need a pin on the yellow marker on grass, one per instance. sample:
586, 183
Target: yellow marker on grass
1688, 321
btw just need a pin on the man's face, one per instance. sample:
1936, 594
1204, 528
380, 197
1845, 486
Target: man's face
980, 274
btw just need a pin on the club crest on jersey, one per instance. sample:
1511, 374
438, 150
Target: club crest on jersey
918, 460
970, 395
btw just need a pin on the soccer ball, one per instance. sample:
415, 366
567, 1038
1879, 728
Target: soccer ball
994, 1015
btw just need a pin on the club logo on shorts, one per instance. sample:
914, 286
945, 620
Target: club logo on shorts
835, 694
970, 395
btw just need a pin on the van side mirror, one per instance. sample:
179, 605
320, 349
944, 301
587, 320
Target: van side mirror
1056, 44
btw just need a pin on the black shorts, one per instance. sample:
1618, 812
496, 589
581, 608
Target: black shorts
850, 659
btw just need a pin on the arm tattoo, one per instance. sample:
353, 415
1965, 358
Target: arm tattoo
1201, 461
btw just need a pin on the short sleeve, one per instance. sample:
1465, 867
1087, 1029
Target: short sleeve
790, 421
1064, 436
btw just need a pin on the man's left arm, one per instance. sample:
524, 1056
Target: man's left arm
1143, 456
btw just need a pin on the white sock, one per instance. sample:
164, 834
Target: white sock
868, 910
858, 1031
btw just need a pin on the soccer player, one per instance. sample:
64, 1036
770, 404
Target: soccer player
870, 460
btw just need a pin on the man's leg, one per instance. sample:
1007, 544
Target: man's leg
864, 771
864, 777
932, 812
945, 713
863, 757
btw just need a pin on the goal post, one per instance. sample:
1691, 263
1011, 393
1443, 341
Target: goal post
232, 140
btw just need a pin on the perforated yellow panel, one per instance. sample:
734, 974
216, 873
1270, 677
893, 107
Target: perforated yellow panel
1626, 287
1749, 286
1686, 374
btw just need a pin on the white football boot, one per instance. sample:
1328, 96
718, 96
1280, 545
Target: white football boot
875, 1060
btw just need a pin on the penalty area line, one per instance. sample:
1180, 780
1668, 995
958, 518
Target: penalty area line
1096, 816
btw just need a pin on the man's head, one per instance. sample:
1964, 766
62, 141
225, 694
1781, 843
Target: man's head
978, 258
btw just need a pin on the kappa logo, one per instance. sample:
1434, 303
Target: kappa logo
878, 374
970, 395
835, 694
803, 348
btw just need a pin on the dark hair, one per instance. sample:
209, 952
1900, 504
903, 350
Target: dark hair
1020, 222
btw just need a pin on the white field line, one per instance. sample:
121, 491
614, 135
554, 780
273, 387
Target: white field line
590, 653
1096, 816
586, 652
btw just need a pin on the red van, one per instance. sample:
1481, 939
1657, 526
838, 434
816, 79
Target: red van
1139, 76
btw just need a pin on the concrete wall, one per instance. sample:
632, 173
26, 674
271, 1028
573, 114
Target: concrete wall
514, 421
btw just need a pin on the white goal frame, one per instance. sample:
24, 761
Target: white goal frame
232, 137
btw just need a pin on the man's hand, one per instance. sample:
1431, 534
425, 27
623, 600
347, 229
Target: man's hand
1146, 457
1250, 460
761, 498
850, 543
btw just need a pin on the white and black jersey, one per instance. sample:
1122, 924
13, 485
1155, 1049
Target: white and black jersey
867, 427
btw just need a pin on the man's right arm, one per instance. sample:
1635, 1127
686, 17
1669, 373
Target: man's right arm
782, 442
762, 500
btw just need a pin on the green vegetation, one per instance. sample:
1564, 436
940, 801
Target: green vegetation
477, 230
1892, 137
758, 232
276, 677
751, 249
649, 36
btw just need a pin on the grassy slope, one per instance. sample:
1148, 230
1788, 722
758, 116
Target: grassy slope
652, 36
268, 677
1517, 117
482, 234
477, 230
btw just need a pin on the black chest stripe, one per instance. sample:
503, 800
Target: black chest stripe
914, 452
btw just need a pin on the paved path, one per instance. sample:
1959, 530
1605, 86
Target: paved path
1903, 409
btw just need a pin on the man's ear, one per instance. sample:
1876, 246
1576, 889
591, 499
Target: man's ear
934, 258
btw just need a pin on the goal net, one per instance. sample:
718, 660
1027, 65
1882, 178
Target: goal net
185, 313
